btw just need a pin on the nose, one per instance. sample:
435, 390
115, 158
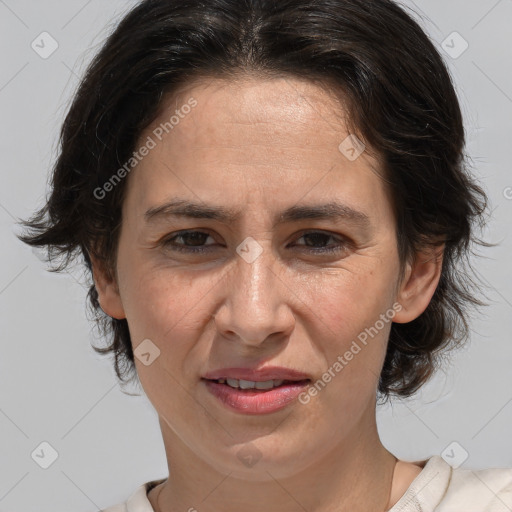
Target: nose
256, 303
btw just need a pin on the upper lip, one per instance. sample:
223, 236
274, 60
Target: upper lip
257, 375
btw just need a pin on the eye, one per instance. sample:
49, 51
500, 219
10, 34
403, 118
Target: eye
317, 242
191, 241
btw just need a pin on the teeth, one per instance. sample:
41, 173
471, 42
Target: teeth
246, 384
268, 384
249, 384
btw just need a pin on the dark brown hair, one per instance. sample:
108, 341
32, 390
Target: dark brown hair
401, 101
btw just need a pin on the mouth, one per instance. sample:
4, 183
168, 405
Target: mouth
261, 376
256, 390
261, 386
256, 397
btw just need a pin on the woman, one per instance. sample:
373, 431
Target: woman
272, 201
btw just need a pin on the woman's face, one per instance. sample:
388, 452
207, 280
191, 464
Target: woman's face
288, 260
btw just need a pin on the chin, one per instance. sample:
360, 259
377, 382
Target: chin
261, 461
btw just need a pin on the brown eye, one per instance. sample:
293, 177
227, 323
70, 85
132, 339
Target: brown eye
321, 242
188, 241
316, 239
194, 238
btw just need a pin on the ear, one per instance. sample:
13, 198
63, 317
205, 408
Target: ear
108, 290
419, 284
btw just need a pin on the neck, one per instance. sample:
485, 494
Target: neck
355, 475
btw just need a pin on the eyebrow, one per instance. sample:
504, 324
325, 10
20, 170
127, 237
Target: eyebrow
325, 211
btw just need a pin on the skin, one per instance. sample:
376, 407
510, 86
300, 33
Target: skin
260, 146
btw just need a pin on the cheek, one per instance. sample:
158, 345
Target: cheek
163, 304
349, 300
353, 346
347, 307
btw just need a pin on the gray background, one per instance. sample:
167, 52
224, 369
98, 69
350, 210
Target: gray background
54, 388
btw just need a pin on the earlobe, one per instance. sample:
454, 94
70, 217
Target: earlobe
420, 282
108, 291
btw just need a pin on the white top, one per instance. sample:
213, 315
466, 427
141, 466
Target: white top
438, 488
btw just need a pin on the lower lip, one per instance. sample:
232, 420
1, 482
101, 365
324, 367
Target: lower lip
250, 401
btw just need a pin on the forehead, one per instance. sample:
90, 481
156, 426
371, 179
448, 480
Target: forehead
249, 104
279, 138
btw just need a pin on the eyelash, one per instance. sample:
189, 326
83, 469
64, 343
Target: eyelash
169, 243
